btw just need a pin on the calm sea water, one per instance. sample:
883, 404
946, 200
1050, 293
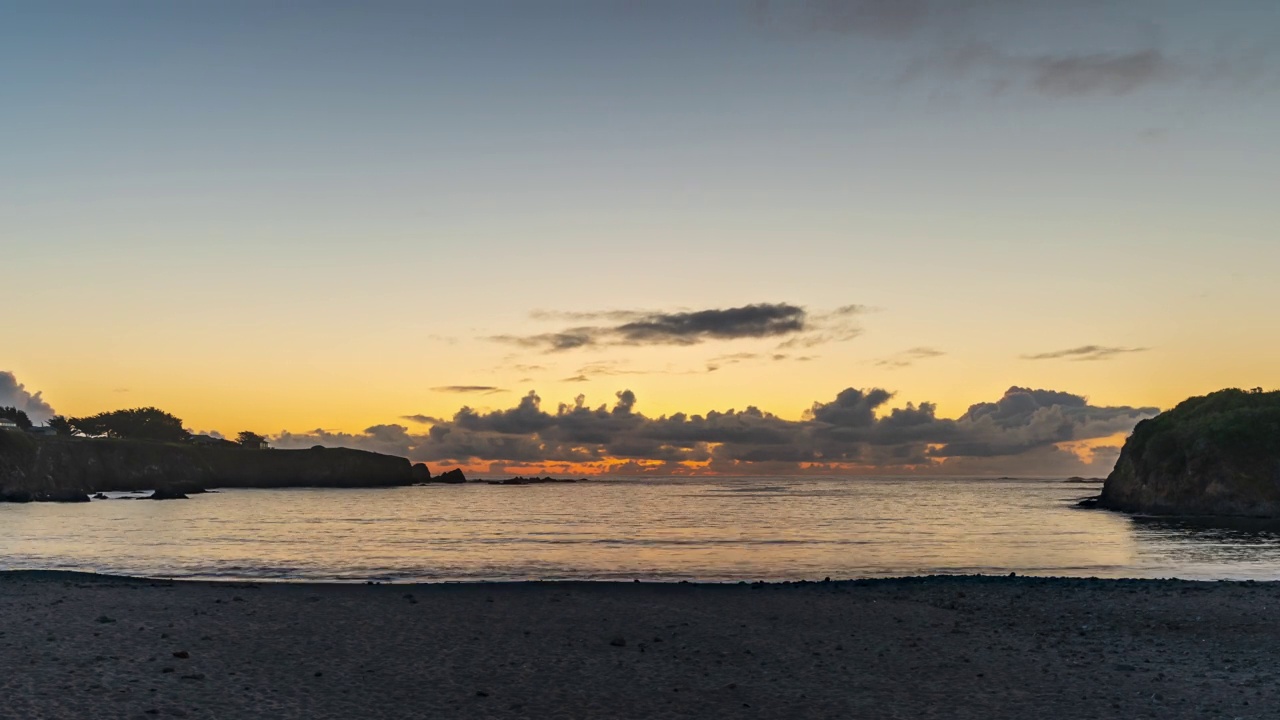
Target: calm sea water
651, 529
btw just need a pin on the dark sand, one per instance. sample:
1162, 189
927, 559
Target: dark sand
77, 646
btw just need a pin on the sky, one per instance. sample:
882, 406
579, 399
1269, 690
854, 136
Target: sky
429, 228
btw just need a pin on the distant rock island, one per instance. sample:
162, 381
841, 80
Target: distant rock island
1217, 455
532, 481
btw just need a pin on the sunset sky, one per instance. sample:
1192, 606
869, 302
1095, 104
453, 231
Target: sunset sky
323, 221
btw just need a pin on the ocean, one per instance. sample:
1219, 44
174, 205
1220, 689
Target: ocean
651, 529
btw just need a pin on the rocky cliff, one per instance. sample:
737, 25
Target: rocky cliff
1212, 455
69, 468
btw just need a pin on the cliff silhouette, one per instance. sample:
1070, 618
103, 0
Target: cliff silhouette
55, 468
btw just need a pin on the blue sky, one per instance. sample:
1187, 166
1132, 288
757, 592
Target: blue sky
333, 208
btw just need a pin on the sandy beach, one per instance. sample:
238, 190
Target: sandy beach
84, 646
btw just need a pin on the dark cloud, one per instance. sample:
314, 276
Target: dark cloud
907, 358
687, 328
423, 419
1086, 353
634, 327
857, 427
1025, 419
464, 389
15, 394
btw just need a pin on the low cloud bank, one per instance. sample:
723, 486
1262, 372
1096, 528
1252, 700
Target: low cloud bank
1025, 428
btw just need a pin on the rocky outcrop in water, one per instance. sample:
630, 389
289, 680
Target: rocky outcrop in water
1217, 455
70, 469
451, 477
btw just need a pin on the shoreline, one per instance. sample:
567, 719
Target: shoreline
76, 645
945, 578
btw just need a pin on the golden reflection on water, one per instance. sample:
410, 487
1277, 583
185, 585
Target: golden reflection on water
670, 529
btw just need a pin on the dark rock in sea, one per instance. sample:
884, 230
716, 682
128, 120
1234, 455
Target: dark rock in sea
1217, 455
420, 473
1088, 503
100, 496
453, 476
168, 494
62, 495
531, 481
1084, 480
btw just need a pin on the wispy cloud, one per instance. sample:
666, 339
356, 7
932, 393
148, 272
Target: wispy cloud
907, 358
1086, 353
951, 40
478, 389
720, 361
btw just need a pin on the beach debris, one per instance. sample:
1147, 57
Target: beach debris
481, 693
182, 654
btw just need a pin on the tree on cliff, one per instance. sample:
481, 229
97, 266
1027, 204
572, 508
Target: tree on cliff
61, 425
137, 424
17, 416
251, 440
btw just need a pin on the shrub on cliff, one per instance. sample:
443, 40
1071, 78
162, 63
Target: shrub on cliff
1235, 423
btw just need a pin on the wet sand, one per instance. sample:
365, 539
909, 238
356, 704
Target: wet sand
83, 646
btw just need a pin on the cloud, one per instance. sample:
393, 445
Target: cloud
484, 389
388, 439
720, 361
1099, 74
977, 40
647, 327
423, 419
15, 394
857, 429
907, 358
1086, 353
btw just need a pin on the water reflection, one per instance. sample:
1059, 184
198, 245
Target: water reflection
666, 529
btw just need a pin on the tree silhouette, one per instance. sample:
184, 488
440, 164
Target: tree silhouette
137, 424
16, 415
251, 440
61, 425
